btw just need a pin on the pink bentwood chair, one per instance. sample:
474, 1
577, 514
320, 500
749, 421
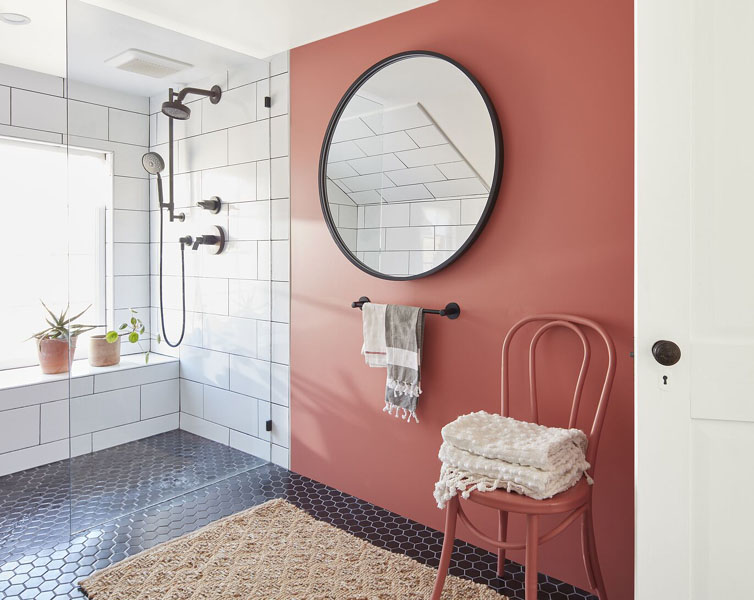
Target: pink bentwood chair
576, 502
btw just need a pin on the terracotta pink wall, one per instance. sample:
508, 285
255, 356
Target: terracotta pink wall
560, 239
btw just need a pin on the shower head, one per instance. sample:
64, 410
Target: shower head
176, 109
152, 163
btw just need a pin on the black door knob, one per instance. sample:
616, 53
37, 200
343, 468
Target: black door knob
666, 353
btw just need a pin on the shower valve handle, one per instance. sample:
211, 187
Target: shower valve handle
213, 204
216, 240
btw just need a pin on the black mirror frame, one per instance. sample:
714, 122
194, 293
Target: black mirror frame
495, 183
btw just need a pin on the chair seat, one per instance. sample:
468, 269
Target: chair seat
566, 501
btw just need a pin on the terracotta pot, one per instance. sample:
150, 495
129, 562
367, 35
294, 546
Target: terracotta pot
54, 356
102, 353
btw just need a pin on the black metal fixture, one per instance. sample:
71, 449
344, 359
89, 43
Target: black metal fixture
268, 425
213, 204
267, 102
451, 310
666, 353
176, 109
216, 240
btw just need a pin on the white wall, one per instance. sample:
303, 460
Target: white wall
234, 358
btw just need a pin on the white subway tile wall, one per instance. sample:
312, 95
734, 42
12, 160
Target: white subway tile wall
234, 358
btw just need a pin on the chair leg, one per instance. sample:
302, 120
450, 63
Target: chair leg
532, 548
502, 535
591, 562
451, 515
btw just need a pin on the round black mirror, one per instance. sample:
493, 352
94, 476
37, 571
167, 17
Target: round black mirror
410, 166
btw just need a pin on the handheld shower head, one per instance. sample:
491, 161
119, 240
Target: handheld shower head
176, 109
152, 163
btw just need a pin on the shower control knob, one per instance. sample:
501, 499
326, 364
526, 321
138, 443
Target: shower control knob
666, 353
213, 204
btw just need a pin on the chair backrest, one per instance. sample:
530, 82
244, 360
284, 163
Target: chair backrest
575, 324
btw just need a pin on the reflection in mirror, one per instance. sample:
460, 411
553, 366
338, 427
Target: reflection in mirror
412, 162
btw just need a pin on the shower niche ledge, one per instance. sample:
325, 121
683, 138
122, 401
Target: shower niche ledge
46, 418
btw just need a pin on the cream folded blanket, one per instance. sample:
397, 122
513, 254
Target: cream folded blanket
487, 452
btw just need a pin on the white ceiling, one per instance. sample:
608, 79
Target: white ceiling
96, 34
40, 45
259, 28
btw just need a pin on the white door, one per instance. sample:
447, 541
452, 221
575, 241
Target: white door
695, 287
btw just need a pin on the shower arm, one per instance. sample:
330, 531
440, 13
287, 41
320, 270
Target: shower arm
196, 91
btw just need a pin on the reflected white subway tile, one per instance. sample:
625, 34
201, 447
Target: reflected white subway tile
383, 144
427, 136
370, 259
344, 151
205, 429
264, 340
432, 155
424, 260
394, 263
280, 456
457, 187
250, 444
410, 238
129, 127
230, 334
445, 212
130, 291
457, 170
280, 251
405, 193
231, 409
279, 136
387, 215
249, 220
250, 376
361, 183
351, 128
451, 238
237, 106
130, 193
370, 239
250, 299
360, 218
236, 183
192, 397
281, 301
281, 345
349, 238
398, 119
472, 209
88, 120
249, 142
280, 384
347, 217
38, 111
280, 219
203, 152
372, 164
205, 366
280, 425
265, 414
280, 178
335, 195
416, 175
4, 105
343, 169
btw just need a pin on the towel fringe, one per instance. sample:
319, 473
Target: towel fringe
406, 416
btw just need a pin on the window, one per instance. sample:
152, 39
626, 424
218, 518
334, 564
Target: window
53, 204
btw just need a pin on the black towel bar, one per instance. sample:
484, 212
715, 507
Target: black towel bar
451, 310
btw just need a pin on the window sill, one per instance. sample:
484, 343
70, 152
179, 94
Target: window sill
26, 376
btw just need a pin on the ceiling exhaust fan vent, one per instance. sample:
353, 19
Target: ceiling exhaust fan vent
146, 63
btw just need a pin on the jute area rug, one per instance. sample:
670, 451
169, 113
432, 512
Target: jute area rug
274, 551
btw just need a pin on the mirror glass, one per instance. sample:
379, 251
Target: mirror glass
410, 166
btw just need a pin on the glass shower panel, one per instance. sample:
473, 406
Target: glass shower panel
169, 145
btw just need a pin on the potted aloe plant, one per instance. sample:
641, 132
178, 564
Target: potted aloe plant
56, 345
104, 350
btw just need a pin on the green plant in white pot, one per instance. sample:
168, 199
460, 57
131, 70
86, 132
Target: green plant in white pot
56, 345
108, 345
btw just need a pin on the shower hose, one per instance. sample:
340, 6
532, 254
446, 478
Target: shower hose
183, 291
